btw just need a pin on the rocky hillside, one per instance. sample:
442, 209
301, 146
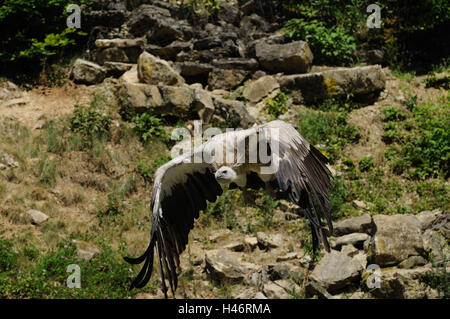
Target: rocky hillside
77, 162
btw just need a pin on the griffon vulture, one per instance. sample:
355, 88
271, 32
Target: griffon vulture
272, 156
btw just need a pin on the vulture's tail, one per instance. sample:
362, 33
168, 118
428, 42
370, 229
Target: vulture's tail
144, 275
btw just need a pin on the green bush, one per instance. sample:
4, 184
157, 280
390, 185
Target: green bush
33, 30
8, 257
423, 148
149, 126
366, 163
277, 106
105, 276
330, 45
328, 128
91, 124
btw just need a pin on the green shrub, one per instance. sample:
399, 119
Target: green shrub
8, 256
105, 276
277, 106
330, 45
328, 128
393, 114
149, 126
91, 124
423, 148
366, 163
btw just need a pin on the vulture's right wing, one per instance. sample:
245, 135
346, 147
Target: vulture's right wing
180, 191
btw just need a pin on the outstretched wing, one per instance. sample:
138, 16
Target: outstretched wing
180, 191
302, 173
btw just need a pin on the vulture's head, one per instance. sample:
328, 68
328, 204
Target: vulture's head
225, 175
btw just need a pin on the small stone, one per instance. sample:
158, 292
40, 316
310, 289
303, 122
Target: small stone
259, 295
305, 261
7, 159
360, 204
224, 264
355, 239
87, 253
87, 72
37, 217
361, 224
275, 291
288, 256
252, 242
412, 262
269, 241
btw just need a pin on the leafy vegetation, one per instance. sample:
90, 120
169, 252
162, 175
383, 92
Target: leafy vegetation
422, 144
149, 126
105, 276
329, 129
277, 106
33, 31
331, 46
91, 124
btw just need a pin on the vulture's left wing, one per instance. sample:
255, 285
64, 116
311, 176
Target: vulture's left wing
180, 191
302, 173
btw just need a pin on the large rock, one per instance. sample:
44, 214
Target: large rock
140, 97
360, 224
167, 30
226, 79
225, 265
119, 43
236, 63
437, 246
203, 105
428, 217
357, 81
193, 69
363, 83
169, 52
397, 237
404, 283
153, 70
336, 271
117, 50
294, 57
259, 89
130, 76
176, 100
87, 72
232, 113
145, 17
